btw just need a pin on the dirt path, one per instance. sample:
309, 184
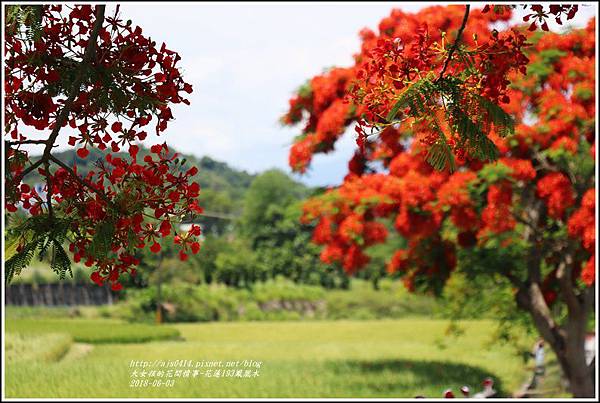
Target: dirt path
546, 385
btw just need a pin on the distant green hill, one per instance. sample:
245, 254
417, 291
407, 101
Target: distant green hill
222, 187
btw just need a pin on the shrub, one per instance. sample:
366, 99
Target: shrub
278, 299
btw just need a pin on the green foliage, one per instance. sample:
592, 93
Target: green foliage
440, 155
502, 121
237, 266
495, 257
101, 242
393, 301
205, 261
278, 299
487, 176
25, 17
380, 254
477, 290
428, 95
282, 290
542, 67
273, 300
476, 297
583, 93
220, 204
268, 191
305, 90
581, 164
472, 135
415, 97
40, 233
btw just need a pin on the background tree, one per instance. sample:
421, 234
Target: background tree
270, 223
264, 202
97, 78
479, 145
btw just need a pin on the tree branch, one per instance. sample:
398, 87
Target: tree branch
89, 53
61, 119
531, 299
48, 190
456, 42
565, 281
16, 143
26, 171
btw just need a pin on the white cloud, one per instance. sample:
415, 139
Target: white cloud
245, 60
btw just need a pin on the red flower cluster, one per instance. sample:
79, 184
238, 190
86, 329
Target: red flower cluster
496, 216
581, 226
144, 80
581, 223
454, 196
539, 16
133, 191
480, 201
556, 190
104, 93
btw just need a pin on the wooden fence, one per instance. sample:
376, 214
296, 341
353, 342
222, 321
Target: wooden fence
60, 294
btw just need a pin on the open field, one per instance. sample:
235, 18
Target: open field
94, 331
384, 358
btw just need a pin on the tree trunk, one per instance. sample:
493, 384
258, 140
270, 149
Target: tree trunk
578, 372
568, 342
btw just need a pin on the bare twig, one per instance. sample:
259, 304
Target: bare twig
48, 190
456, 42
16, 143
26, 171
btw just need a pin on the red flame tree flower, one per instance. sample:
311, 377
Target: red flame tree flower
97, 77
474, 144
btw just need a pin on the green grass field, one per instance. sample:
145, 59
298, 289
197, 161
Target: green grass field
384, 358
98, 331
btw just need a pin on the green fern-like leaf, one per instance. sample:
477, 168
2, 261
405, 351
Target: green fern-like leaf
503, 122
36, 233
440, 156
477, 142
101, 243
465, 127
44, 248
60, 264
20, 260
484, 149
414, 97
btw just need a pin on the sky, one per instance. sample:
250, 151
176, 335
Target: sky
246, 60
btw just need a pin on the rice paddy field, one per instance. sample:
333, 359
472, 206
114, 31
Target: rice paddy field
88, 358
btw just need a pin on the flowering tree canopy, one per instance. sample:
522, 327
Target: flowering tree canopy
101, 80
476, 142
